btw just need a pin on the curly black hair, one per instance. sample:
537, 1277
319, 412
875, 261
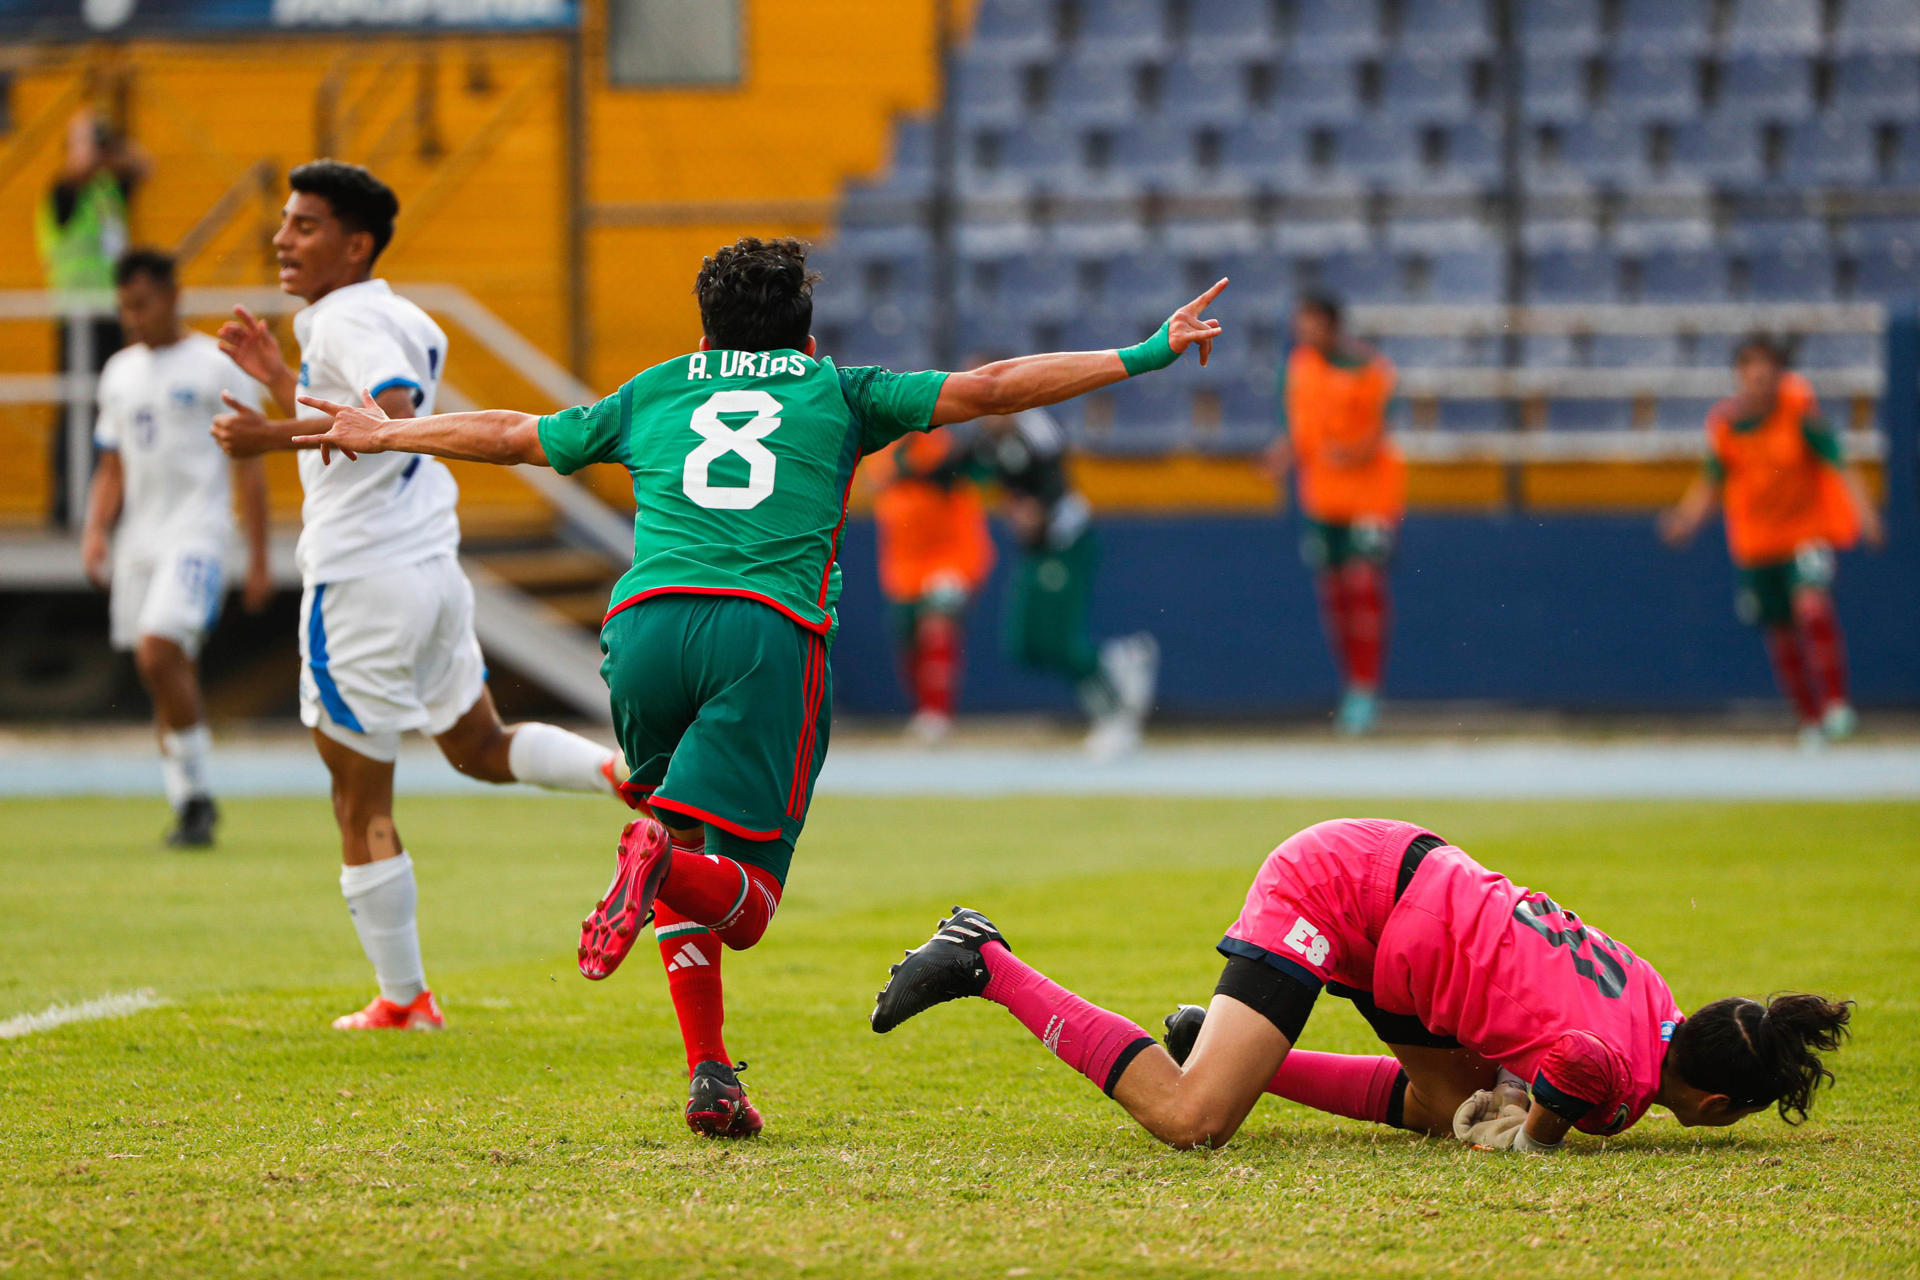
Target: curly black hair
1759, 1054
757, 295
361, 201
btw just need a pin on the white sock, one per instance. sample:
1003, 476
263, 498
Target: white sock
548, 756
183, 762
381, 897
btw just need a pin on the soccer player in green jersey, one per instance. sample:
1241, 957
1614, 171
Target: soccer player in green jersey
742, 454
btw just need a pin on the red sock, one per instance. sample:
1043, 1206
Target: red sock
1333, 617
1097, 1044
1366, 601
1790, 669
1360, 1088
1825, 648
936, 663
692, 958
734, 899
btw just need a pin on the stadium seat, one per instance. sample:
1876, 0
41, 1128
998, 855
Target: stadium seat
1046, 152
1877, 86
1839, 351
1121, 29
1269, 149
1350, 29
1792, 273
1645, 234
1264, 283
1423, 87
1766, 86
1468, 275
1150, 415
891, 340
1605, 149
1712, 350
1203, 237
1887, 272
1410, 351
1129, 281
1682, 413
1719, 149
1238, 28
1561, 231
1456, 28
1612, 413
1559, 27
1868, 233
1310, 93
1647, 85
987, 92
1548, 351
1362, 275
1904, 170
1087, 92
1553, 87
1380, 149
1249, 410
1311, 236
1014, 30
1774, 26
1202, 90
1829, 151
1472, 415
1156, 152
1437, 235
1759, 235
1634, 351
1684, 275
1877, 26
1472, 151
1572, 275
1664, 26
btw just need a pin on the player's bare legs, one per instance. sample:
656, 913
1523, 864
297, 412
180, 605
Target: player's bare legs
1204, 1102
169, 676
376, 878
543, 755
1438, 1081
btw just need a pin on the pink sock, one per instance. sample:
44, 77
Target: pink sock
1360, 1088
1097, 1044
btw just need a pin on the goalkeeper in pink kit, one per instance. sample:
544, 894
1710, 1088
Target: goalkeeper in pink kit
1509, 1021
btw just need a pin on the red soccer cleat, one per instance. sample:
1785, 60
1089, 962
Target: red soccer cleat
609, 932
717, 1106
384, 1015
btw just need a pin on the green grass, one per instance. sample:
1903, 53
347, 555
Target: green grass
231, 1133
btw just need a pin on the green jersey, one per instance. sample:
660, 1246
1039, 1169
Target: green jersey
741, 462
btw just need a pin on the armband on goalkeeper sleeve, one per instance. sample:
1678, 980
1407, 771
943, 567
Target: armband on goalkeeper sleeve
1155, 353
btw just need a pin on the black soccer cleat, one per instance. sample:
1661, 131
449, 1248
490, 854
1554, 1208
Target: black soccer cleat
717, 1106
945, 967
193, 827
1183, 1028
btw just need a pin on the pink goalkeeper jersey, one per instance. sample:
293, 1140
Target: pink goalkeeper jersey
1521, 980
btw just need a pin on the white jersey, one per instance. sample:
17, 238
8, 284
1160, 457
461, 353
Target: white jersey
157, 407
381, 510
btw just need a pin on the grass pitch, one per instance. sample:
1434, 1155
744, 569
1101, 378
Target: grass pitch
232, 1133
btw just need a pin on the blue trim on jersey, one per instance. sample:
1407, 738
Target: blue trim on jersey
1231, 947
330, 697
419, 396
406, 473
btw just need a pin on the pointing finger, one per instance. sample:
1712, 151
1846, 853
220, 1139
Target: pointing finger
327, 407
1205, 300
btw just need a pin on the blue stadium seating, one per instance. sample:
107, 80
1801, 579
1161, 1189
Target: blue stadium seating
1684, 275
1158, 152
1438, 235
1044, 152
1349, 29
1718, 149
1870, 233
1766, 86
1765, 234
1611, 414
1122, 29
1792, 273
1605, 149
1877, 86
1205, 90
1877, 26
1830, 151
1303, 236
1572, 275
1888, 271
1407, 351
1473, 151
1150, 415
1129, 281
1648, 85
1311, 92
1837, 351
988, 92
1249, 411
1682, 413
1263, 283
1553, 87
1905, 169
1473, 415
1091, 92
1362, 276
1566, 27
1425, 87
1241, 28
1456, 28
1379, 150
1548, 351
1014, 29
1634, 351
1468, 275
1269, 149
1774, 26
1665, 26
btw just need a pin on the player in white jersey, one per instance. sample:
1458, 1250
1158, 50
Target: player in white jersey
160, 526
386, 619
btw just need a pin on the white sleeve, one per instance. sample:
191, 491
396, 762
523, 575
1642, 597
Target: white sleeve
371, 358
109, 426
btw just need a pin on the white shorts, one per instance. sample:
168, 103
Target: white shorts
174, 593
387, 653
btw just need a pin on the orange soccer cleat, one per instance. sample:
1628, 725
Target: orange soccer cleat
384, 1015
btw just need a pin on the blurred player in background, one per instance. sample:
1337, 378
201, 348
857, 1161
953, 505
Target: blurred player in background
1353, 491
1051, 591
386, 618
935, 555
742, 455
1774, 464
160, 518
1461, 973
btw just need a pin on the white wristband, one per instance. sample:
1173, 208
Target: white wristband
1522, 1142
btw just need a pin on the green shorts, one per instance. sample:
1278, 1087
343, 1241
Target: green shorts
1047, 609
723, 707
1328, 546
1764, 596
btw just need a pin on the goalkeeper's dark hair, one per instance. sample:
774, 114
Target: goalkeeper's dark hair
757, 295
156, 265
1767, 346
1325, 304
358, 199
1760, 1054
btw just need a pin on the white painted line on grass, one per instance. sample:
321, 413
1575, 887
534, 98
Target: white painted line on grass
117, 1005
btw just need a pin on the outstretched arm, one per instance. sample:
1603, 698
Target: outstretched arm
1030, 382
502, 436
1681, 521
246, 432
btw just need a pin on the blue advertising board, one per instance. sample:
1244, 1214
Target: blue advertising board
97, 19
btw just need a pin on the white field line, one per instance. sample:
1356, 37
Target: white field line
118, 1005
